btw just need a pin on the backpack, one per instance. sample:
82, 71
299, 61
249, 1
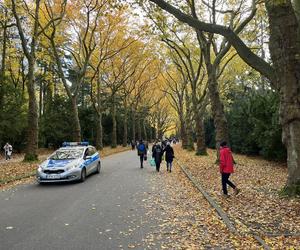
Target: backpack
158, 149
141, 148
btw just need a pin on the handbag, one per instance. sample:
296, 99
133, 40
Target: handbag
152, 162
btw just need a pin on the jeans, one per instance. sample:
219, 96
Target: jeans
141, 160
225, 181
157, 163
169, 166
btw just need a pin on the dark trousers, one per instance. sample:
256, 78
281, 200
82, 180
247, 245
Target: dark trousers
141, 160
225, 181
157, 163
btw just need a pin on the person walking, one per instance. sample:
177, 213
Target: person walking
226, 168
169, 156
142, 152
8, 151
157, 153
133, 145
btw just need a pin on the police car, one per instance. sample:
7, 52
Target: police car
73, 161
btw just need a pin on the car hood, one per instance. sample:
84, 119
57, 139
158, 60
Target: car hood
58, 163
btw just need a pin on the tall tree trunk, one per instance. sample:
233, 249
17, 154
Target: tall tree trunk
3, 63
41, 101
189, 125
139, 128
200, 134
114, 121
150, 134
145, 130
32, 122
217, 107
285, 50
183, 134
197, 114
77, 128
98, 109
99, 132
125, 129
133, 125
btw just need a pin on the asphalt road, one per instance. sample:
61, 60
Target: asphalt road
104, 212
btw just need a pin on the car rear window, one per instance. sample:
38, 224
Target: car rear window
71, 153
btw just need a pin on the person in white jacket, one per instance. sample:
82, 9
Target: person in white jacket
8, 151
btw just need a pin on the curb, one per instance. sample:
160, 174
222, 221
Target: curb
218, 209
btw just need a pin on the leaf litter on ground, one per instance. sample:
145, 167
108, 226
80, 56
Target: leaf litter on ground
258, 208
184, 218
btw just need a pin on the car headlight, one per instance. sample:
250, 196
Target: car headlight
42, 166
74, 165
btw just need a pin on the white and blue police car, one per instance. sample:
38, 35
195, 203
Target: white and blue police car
74, 161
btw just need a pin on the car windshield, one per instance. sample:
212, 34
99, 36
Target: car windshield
71, 153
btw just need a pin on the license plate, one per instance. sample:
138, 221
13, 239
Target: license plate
53, 176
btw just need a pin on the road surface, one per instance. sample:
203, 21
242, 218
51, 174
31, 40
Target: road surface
104, 212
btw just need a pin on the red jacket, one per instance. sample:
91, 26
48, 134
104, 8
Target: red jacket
226, 160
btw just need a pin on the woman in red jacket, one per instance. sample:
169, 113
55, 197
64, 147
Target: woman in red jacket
226, 168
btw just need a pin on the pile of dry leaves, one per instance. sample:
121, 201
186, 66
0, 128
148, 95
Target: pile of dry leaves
259, 208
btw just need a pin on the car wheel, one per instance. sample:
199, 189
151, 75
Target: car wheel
98, 168
83, 175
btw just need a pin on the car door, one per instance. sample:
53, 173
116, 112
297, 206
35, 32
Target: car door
93, 153
87, 160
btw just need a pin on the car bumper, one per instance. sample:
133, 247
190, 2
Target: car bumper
68, 176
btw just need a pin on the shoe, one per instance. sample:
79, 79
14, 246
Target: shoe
236, 191
170, 170
225, 196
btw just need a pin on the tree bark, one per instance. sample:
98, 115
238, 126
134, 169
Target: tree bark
3, 62
197, 113
77, 128
139, 128
285, 53
99, 133
217, 106
114, 121
133, 125
145, 130
200, 134
125, 129
189, 125
183, 134
32, 122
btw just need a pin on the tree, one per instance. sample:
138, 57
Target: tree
29, 49
283, 73
83, 17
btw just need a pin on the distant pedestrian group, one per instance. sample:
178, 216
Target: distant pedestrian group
7, 151
159, 149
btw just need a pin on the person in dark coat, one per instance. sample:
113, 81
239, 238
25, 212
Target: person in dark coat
142, 152
157, 153
169, 156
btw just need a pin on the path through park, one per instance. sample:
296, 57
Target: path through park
124, 207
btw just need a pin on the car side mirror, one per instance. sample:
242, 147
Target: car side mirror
87, 157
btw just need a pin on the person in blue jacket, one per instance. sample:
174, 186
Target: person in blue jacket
142, 152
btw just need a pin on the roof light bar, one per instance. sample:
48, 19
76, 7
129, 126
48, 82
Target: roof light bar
74, 144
